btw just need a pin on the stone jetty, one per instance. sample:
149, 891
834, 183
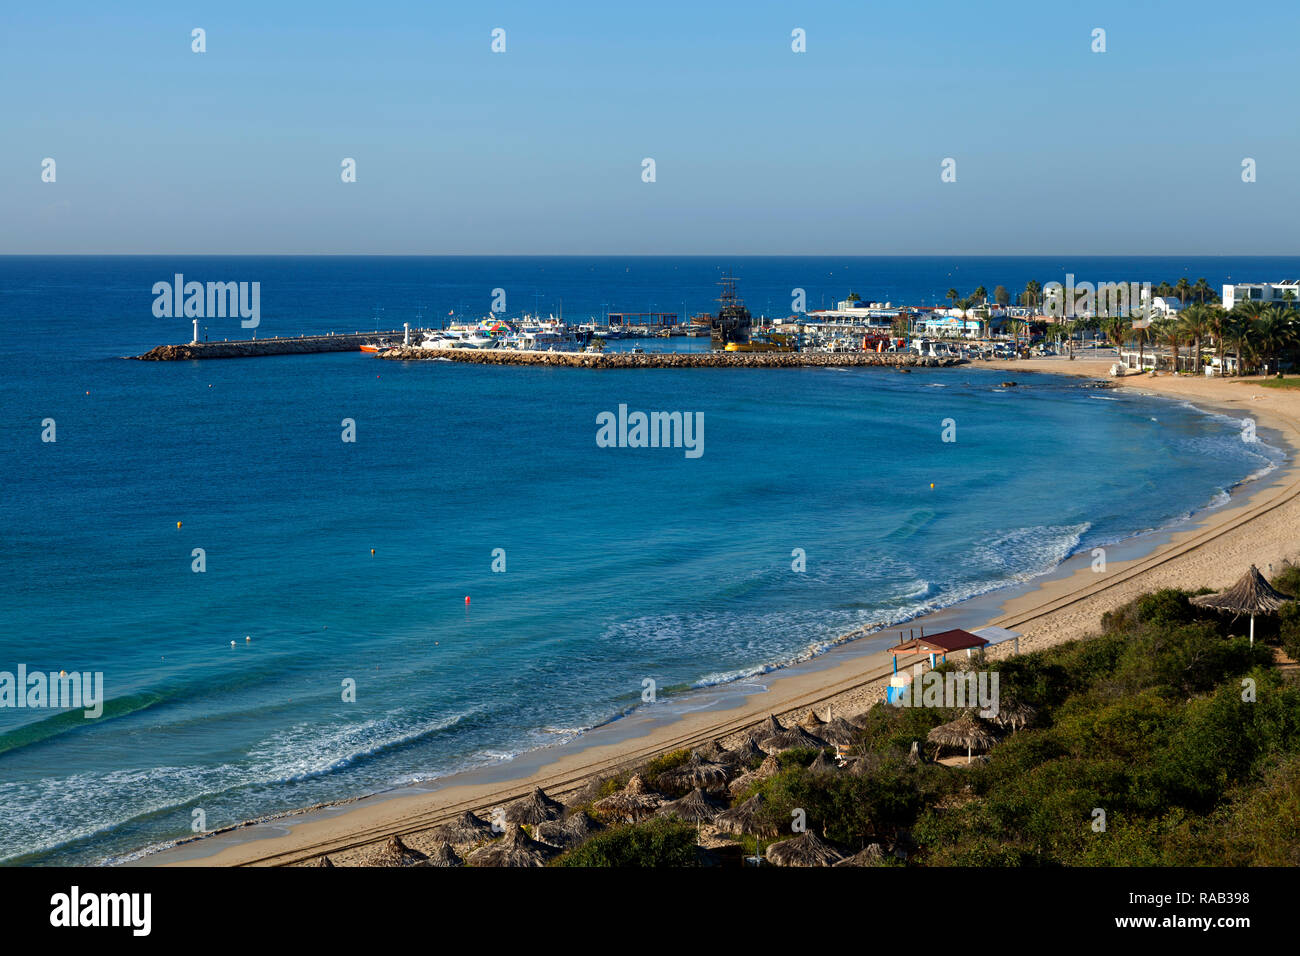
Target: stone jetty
249, 348
672, 359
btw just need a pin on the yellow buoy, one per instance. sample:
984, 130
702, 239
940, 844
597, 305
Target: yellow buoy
372, 550
932, 484
178, 524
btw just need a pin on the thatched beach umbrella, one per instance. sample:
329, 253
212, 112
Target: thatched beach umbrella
807, 849
323, 861
1251, 595
713, 752
966, 731
742, 754
633, 802
537, 807
395, 853
570, 831
516, 848
769, 767
696, 807
697, 772
466, 828
811, 721
1014, 715
839, 732
870, 855
443, 855
789, 740
746, 818
765, 728
822, 764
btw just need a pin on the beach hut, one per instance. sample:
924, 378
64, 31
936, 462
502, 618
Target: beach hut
1251, 595
966, 731
516, 848
696, 807
807, 849
940, 645
537, 807
395, 853
789, 740
466, 828
443, 855
633, 802
696, 772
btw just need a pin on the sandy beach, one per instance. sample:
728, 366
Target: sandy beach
1258, 526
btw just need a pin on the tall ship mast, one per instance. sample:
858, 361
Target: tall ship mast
733, 321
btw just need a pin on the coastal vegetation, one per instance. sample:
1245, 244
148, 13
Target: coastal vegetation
1168, 739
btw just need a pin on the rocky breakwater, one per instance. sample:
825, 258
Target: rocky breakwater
672, 359
250, 348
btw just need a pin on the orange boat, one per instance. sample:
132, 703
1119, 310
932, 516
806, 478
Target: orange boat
371, 348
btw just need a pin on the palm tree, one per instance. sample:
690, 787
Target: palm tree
1015, 327
1202, 288
1169, 332
1140, 335
981, 295
1116, 330
1032, 288
1216, 323
953, 295
1194, 326
1272, 332
1183, 288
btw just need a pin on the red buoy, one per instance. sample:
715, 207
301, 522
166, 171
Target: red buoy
466, 600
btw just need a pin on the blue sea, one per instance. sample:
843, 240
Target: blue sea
349, 563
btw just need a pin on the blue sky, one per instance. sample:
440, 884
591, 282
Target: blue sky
758, 150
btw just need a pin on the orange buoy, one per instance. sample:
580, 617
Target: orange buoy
372, 550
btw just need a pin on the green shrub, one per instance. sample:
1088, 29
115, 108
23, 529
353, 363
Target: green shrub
653, 843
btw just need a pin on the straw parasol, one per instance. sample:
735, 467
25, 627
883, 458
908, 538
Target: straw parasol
804, 850
516, 848
870, 855
822, 764
443, 855
765, 729
741, 754
769, 767
537, 807
696, 807
570, 831
1013, 714
789, 740
713, 752
811, 721
745, 818
696, 772
466, 828
634, 801
395, 853
966, 731
839, 732
1251, 595
324, 861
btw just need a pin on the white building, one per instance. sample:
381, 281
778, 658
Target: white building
1165, 305
1266, 293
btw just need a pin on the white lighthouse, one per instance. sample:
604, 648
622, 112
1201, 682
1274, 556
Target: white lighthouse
406, 335
196, 333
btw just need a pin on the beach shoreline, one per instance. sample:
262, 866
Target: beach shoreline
1256, 526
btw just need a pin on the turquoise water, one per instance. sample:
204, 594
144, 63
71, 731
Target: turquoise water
620, 563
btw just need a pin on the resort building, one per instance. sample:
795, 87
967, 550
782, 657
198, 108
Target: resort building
1267, 293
